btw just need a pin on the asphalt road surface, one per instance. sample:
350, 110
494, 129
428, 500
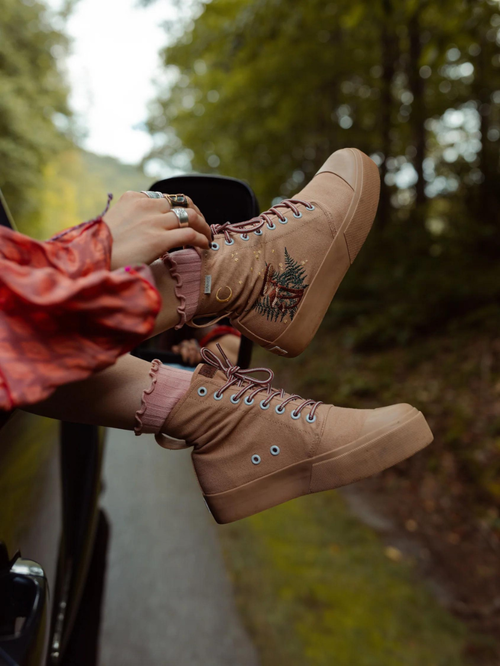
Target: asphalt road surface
168, 599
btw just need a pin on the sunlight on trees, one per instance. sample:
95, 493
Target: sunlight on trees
35, 120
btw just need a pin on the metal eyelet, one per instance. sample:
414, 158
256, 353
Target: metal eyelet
278, 410
214, 246
259, 232
235, 402
229, 242
274, 450
309, 419
255, 459
248, 402
311, 207
217, 396
297, 217
294, 415
263, 406
202, 391
271, 226
245, 237
284, 220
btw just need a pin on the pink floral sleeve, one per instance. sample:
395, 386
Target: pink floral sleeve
63, 313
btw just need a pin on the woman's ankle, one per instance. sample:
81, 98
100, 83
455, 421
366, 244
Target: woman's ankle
168, 386
185, 270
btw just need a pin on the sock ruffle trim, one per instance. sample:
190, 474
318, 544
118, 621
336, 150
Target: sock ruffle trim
153, 373
171, 264
184, 267
168, 386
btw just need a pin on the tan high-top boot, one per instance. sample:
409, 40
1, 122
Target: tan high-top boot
256, 447
276, 275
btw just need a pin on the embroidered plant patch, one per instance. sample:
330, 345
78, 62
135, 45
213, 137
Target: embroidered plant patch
282, 290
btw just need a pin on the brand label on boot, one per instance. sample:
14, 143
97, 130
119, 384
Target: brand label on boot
208, 284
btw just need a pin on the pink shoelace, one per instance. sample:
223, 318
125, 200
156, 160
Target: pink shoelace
235, 375
256, 223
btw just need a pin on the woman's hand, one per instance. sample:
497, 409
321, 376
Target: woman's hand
189, 350
144, 229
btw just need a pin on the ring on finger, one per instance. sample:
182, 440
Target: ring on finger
177, 200
182, 216
152, 195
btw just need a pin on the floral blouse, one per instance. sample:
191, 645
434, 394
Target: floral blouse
63, 313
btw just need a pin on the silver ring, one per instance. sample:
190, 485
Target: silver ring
182, 216
152, 195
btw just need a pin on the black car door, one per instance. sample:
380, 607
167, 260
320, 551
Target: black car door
50, 480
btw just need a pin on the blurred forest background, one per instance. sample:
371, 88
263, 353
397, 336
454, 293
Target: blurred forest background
47, 180
265, 90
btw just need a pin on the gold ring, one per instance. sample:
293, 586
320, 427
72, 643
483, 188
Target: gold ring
177, 200
224, 300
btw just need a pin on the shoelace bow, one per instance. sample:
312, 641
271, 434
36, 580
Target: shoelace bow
256, 223
235, 375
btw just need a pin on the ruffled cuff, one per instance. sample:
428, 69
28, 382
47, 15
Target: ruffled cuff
55, 329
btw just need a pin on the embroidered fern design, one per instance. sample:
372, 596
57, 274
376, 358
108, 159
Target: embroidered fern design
282, 291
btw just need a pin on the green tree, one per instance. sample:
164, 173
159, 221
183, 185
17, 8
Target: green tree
264, 91
73, 188
34, 116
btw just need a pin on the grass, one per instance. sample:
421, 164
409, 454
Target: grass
454, 379
314, 586
317, 588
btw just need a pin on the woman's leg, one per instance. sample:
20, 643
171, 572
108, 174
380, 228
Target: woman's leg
132, 394
113, 396
109, 398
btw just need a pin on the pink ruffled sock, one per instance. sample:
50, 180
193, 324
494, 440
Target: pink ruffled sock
168, 386
185, 269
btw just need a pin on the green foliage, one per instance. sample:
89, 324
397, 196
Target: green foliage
73, 188
264, 91
454, 380
316, 588
34, 117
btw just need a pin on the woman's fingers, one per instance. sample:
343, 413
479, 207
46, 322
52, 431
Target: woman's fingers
173, 238
193, 205
196, 218
143, 229
189, 350
186, 352
199, 224
155, 204
195, 221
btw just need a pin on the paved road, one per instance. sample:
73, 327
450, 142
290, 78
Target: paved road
168, 598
